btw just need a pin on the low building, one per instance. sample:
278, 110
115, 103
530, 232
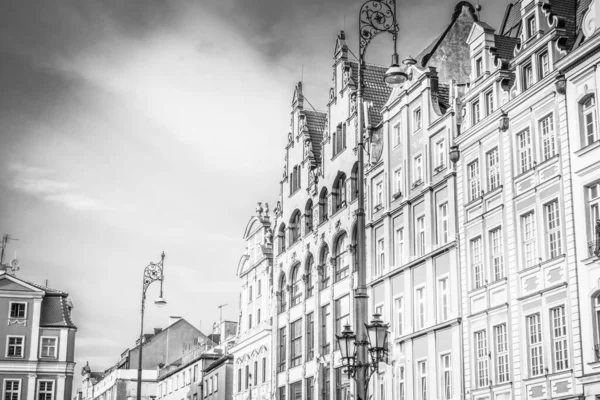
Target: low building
118, 384
38, 339
217, 382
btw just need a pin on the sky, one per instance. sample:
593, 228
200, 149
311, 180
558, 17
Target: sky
132, 127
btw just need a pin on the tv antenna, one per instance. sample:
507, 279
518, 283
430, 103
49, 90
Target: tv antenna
5, 238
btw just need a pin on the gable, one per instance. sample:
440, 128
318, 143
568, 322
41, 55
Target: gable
8, 283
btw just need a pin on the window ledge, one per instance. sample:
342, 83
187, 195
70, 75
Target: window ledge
417, 183
378, 208
397, 195
439, 169
336, 155
588, 148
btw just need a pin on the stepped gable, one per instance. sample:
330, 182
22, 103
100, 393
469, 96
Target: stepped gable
316, 122
375, 88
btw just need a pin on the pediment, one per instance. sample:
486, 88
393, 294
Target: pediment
12, 284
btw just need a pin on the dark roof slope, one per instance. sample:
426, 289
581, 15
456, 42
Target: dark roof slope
505, 46
375, 88
511, 26
56, 311
316, 122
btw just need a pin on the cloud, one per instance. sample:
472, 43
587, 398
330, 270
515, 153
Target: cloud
38, 182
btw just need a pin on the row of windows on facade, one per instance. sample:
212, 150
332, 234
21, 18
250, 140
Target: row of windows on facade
252, 378
178, 381
13, 387
15, 347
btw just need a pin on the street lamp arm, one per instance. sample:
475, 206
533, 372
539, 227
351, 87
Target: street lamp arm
375, 17
152, 273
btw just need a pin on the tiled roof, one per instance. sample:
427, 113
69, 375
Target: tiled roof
581, 9
316, 122
218, 362
512, 23
55, 311
505, 46
375, 88
568, 10
444, 96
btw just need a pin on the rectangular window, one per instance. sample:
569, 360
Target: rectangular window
534, 344
524, 149
249, 321
380, 256
553, 229
282, 393
476, 112
18, 310
527, 77
420, 308
560, 349
593, 209
264, 369
443, 223
258, 316
440, 157
282, 356
548, 139
205, 391
418, 170
479, 67
399, 304
310, 388
396, 134
210, 385
12, 389
493, 169
195, 373
15, 345
296, 343
296, 390
258, 288
446, 364
398, 182
473, 179
420, 236
531, 27
496, 253
401, 384
250, 294
501, 337
477, 262
310, 336
342, 384
48, 347
544, 65
45, 390
481, 358
589, 120
443, 300
325, 328
417, 119
489, 102
422, 370
326, 379
378, 195
529, 239
342, 313
216, 385
399, 246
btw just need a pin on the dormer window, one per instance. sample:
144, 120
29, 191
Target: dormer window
527, 77
476, 112
479, 67
531, 27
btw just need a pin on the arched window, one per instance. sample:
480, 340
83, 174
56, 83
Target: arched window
308, 271
281, 239
283, 295
353, 180
324, 260
340, 192
323, 211
308, 216
294, 227
589, 121
296, 285
341, 262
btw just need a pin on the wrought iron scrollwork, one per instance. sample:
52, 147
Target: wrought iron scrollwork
376, 16
153, 272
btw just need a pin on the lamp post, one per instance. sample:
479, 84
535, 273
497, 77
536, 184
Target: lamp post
375, 344
152, 273
375, 17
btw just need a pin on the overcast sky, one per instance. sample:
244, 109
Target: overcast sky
130, 127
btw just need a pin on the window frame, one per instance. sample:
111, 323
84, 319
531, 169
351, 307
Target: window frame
399, 315
12, 391
446, 376
417, 119
489, 102
591, 110
475, 111
41, 354
502, 353
531, 346
418, 169
421, 236
492, 157
529, 238
443, 223
440, 149
399, 245
38, 388
420, 307
496, 249
443, 297
482, 369
473, 180
22, 345
396, 134
544, 68
296, 359
560, 342
478, 67
10, 304
547, 132
422, 381
527, 78
476, 259
553, 233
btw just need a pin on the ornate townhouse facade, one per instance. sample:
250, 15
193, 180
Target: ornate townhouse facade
252, 352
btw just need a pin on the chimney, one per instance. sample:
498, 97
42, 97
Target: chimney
172, 320
157, 331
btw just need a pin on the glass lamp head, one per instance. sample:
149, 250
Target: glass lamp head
160, 301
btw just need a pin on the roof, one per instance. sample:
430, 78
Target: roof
511, 25
444, 96
505, 46
316, 122
218, 363
56, 311
375, 89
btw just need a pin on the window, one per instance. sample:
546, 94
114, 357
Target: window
527, 77
501, 337
258, 317
210, 386
396, 134
308, 282
544, 63
399, 246
418, 170
479, 67
380, 256
295, 177
476, 263
14, 346
282, 393
264, 369
341, 261
420, 308
422, 368
553, 229
417, 119
476, 112
45, 390
325, 328
481, 358
339, 139
296, 295
440, 157
247, 376
443, 223
310, 336
250, 321
48, 347
325, 384
296, 390
18, 310
340, 193
281, 238
282, 356
12, 389
399, 304
531, 27
323, 208
446, 364
282, 295
216, 385
560, 350
342, 313
325, 269
420, 235
529, 239
473, 180
594, 209
524, 149
493, 170
401, 383
378, 194
183, 379
548, 138
195, 373
398, 182
296, 343
250, 294
496, 253
310, 388
342, 384
534, 344
489, 102
443, 301
590, 129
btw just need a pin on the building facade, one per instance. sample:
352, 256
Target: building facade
218, 379
38, 341
183, 379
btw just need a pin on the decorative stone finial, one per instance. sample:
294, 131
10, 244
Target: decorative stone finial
259, 209
266, 209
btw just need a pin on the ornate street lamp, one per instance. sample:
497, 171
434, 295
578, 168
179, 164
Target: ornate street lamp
152, 273
454, 153
375, 343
